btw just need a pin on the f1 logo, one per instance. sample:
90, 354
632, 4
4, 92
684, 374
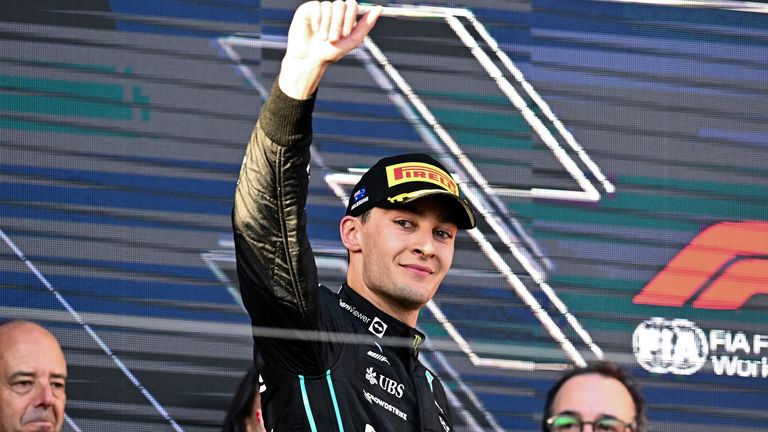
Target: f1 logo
727, 263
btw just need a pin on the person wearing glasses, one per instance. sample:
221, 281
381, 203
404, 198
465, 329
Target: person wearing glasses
600, 397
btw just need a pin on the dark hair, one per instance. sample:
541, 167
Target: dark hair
364, 217
241, 406
607, 369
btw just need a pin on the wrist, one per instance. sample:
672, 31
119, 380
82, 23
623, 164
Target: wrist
299, 78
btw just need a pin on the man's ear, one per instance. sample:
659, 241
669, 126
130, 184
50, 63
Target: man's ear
349, 229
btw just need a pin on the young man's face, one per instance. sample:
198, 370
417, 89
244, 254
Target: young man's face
407, 251
33, 373
591, 396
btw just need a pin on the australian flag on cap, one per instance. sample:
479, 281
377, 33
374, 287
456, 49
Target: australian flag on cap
358, 195
358, 199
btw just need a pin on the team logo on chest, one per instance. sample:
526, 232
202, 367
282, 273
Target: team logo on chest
377, 327
387, 384
380, 357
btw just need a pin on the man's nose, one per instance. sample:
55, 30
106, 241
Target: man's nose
45, 396
425, 242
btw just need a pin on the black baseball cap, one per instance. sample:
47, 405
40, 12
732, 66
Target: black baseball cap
401, 179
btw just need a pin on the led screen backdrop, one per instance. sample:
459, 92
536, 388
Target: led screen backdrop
615, 150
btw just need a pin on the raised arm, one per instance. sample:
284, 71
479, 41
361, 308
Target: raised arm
276, 268
321, 33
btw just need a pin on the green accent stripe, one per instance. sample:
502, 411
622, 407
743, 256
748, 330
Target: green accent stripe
584, 304
43, 126
75, 88
550, 212
64, 107
479, 98
715, 188
434, 328
684, 205
307, 408
333, 398
111, 104
487, 121
430, 378
650, 210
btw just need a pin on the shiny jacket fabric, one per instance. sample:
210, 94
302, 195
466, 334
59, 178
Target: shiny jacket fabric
345, 365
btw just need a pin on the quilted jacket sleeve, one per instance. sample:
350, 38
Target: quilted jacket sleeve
275, 264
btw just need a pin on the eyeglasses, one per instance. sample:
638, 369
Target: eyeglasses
572, 423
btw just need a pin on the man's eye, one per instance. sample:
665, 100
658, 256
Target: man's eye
566, 424
404, 223
58, 388
567, 427
22, 386
445, 235
609, 425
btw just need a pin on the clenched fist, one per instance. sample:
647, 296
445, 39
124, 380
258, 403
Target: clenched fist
321, 33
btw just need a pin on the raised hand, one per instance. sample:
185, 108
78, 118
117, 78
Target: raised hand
321, 33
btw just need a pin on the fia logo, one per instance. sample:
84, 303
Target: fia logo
675, 346
377, 327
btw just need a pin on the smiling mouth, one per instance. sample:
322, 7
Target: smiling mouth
41, 423
419, 269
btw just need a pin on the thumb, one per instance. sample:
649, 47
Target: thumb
365, 24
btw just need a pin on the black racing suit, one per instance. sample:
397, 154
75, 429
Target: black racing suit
335, 371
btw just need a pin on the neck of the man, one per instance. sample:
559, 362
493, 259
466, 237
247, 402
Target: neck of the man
408, 316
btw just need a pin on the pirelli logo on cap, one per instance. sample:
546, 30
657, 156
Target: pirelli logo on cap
417, 171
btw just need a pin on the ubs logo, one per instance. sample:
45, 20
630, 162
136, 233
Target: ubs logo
675, 346
377, 327
387, 384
